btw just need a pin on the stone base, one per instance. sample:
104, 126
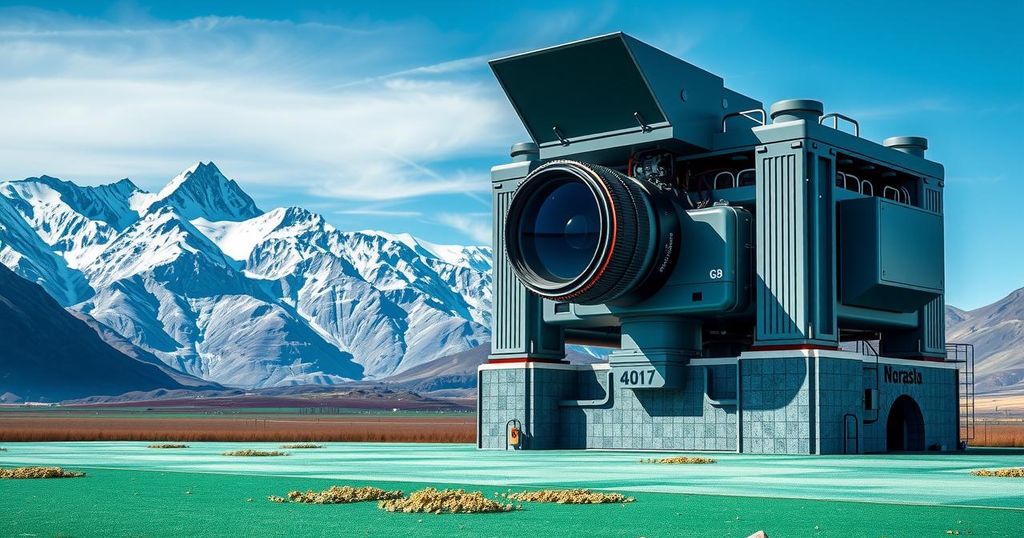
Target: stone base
772, 402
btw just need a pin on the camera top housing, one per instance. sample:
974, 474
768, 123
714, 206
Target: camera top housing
661, 213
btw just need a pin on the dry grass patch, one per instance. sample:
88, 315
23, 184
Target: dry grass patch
339, 495
568, 496
244, 428
681, 460
39, 472
250, 452
168, 445
302, 445
445, 501
1012, 472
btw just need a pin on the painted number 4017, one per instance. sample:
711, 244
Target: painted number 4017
637, 377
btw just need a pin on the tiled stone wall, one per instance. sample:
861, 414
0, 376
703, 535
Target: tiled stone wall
777, 405
936, 397
550, 386
840, 393
680, 419
530, 395
502, 398
789, 406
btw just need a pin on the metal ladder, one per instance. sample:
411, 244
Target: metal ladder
964, 354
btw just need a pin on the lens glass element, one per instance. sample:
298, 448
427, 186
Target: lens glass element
559, 231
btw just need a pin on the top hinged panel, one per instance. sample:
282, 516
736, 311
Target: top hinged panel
613, 88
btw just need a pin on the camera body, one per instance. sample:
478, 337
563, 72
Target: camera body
657, 212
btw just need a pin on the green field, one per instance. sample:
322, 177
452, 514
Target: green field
134, 491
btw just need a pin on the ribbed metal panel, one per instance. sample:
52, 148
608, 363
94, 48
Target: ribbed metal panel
933, 200
934, 326
781, 230
933, 316
509, 334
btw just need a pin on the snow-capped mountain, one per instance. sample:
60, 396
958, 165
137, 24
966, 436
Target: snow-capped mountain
200, 277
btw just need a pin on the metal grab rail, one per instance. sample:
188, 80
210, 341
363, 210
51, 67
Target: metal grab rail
851, 419
835, 122
732, 180
870, 187
846, 182
896, 196
716, 402
599, 402
906, 195
746, 114
751, 174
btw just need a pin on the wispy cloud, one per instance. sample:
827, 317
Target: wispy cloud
379, 212
301, 106
476, 226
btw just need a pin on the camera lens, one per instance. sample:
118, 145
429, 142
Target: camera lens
588, 234
559, 234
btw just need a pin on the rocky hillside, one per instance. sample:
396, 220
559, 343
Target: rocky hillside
50, 354
997, 333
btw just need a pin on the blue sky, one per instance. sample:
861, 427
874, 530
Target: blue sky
386, 116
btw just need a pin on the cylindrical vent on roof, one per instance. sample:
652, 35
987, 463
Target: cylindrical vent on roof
525, 151
912, 145
796, 109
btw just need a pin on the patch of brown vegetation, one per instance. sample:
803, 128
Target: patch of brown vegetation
251, 452
568, 496
445, 501
282, 428
168, 445
339, 495
1003, 434
681, 460
302, 445
38, 472
1012, 472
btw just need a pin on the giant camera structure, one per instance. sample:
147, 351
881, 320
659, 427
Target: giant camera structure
739, 260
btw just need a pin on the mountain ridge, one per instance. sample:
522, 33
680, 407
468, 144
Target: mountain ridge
200, 277
997, 333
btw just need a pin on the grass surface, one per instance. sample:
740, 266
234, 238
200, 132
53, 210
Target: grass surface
153, 503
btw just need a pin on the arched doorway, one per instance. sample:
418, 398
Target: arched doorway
905, 428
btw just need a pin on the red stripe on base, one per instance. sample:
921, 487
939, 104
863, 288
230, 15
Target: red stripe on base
790, 347
513, 360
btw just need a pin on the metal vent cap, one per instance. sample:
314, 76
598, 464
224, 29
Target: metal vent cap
912, 145
796, 109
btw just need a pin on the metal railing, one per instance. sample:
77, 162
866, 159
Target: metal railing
964, 354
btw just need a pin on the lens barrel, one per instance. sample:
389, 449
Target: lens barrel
584, 233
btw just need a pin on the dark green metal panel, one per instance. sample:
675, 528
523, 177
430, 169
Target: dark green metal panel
600, 98
566, 86
891, 255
